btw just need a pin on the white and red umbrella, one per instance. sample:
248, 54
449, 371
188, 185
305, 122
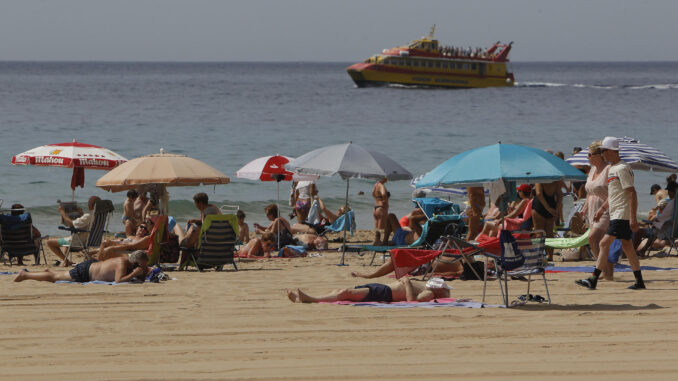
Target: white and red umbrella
271, 168
79, 156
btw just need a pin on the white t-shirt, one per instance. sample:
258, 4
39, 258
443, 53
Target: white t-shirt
666, 215
304, 188
81, 222
619, 178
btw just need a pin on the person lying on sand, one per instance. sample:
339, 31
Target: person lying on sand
120, 269
258, 247
405, 289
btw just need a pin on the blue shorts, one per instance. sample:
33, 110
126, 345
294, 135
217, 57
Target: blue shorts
377, 293
621, 229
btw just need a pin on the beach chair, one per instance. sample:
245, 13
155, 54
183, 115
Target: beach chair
16, 238
674, 230
95, 232
229, 209
567, 226
345, 222
530, 246
216, 242
432, 206
159, 235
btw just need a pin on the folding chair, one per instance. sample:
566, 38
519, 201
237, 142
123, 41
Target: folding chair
531, 247
345, 222
95, 232
216, 243
674, 229
16, 238
229, 209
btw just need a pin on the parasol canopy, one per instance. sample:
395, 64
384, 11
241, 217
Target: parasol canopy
163, 168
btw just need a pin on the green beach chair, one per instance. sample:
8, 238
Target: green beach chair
216, 243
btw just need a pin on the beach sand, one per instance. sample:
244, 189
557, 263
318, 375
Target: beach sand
240, 325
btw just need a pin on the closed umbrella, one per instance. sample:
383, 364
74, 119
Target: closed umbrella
76, 155
639, 156
348, 161
164, 169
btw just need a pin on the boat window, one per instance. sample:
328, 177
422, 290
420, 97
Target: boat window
438, 64
465, 66
458, 66
416, 63
444, 65
473, 67
430, 64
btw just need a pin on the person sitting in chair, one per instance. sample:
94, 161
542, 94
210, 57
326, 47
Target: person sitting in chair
118, 248
81, 222
120, 269
405, 289
201, 202
13, 224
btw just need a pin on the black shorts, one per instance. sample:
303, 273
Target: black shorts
378, 293
620, 229
80, 273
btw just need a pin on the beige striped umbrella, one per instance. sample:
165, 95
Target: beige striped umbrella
164, 169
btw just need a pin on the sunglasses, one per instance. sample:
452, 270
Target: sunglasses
143, 227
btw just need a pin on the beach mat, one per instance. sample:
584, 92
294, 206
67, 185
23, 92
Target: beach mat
447, 302
617, 268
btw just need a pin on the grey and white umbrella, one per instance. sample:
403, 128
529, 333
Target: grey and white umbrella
639, 156
348, 161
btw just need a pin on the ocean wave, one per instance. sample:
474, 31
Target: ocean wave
662, 86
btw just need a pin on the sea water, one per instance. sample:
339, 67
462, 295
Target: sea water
227, 114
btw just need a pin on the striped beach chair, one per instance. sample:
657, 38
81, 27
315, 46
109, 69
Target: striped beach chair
16, 238
216, 244
95, 233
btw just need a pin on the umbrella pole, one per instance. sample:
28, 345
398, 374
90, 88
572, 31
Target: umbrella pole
346, 224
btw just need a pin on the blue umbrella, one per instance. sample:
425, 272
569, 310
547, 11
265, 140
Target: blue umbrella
509, 162
639, 156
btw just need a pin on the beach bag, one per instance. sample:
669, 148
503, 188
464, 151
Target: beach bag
615, 251
314, 217
572, 255
511, 257
169, 251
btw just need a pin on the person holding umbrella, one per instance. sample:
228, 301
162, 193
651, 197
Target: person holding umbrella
622, 202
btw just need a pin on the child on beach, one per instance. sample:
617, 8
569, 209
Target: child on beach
244, 235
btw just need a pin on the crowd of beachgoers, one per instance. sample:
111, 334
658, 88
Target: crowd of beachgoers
608, 211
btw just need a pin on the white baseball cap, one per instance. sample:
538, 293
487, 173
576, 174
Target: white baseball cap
437, 283
610, 142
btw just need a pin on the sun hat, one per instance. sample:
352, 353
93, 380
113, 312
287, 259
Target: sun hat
611, 143
437, 283
525, 188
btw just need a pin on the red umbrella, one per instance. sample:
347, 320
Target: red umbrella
79, 156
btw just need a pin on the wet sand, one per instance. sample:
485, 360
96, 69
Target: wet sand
240, 325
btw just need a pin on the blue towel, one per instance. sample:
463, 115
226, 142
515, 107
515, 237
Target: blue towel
345, 222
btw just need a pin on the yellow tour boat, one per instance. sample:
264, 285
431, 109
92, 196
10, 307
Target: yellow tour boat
425, 62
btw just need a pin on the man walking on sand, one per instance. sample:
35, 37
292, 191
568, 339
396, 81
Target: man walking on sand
622, 202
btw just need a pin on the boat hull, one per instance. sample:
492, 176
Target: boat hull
367, 75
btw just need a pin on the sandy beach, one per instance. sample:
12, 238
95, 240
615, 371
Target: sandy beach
240, 325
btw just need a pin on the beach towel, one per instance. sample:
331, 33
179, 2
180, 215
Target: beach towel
617, 268
568, 243
292, 252
447, 302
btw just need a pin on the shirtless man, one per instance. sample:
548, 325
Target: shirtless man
380, 195
476, 202
201, 202
405, 289
121, 269
129, 216
140, 203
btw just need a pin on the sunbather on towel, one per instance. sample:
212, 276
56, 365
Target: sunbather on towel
405, 289
445, 269
121, 269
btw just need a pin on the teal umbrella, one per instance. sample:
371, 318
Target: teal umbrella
509, 162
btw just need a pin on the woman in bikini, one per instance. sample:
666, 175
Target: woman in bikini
380, 195
545, 209
286, 236
476, 202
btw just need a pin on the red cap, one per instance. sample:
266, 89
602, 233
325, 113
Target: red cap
525, 188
